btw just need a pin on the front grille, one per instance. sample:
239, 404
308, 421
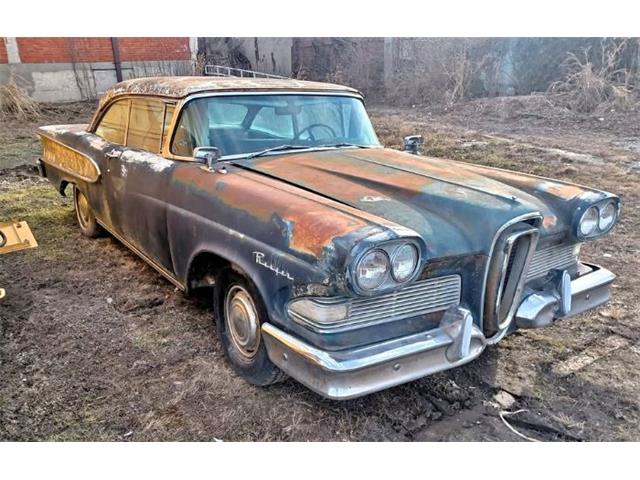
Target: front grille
506, 274
424, 297
556, 257
419, 298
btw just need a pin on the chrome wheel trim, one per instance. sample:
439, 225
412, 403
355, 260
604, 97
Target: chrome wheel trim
83, 212
243, 324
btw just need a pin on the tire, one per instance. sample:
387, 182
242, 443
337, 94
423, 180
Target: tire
84, 215
235, 296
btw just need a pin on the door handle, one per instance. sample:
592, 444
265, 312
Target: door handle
113, 154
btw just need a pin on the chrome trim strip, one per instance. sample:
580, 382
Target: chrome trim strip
515, 299
160, 269
513, 221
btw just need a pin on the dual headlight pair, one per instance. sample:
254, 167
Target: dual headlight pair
386, 266
597, 219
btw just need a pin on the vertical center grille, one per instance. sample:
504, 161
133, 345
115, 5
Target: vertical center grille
508, 267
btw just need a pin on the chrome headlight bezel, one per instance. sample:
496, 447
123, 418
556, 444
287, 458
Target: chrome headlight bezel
598, 229
390, 282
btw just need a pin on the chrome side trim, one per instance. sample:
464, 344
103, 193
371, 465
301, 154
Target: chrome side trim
160, 269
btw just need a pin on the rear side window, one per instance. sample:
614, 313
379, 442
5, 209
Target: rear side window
146, 123
113, 125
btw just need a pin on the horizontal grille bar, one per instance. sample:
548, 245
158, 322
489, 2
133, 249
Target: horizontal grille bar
556, 257
425, 296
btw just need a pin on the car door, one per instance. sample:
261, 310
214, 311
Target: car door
137, 180
107, 143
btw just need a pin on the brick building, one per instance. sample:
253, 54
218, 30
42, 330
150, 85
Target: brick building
60, 69
76, 68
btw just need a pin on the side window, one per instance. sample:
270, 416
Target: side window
146, 123
113, 125
267, 120
192, 129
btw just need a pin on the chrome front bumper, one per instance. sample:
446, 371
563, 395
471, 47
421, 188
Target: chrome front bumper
356, 372
352, 373
541, 308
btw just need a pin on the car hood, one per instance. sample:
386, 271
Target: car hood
454, 206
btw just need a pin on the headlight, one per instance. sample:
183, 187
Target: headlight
404, 262
372, 269
588, 222
607, 216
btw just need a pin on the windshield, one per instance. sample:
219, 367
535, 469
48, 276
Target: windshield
244, 124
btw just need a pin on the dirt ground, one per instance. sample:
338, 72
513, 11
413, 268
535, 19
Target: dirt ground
95, 345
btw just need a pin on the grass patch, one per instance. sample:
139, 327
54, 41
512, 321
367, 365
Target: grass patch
50, 216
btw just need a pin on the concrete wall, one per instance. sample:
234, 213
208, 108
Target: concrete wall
269, 55
61, 69
69, 82
264, 54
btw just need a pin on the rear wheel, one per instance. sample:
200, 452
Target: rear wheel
239, 316
84, 214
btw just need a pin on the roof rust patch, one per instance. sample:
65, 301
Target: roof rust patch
180, 87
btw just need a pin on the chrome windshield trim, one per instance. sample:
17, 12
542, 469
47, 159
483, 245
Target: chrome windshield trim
166, 151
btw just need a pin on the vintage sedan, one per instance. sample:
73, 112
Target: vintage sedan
348, 266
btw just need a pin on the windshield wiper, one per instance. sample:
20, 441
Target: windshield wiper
340, 145
279, 148
284, 148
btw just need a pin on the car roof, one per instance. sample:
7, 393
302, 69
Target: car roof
180, 87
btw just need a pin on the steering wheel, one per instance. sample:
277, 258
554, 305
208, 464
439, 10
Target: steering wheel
312, 137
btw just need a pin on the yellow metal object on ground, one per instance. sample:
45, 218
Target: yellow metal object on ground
16, 236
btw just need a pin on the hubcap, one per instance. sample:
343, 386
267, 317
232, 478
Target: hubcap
82, 209
242, 321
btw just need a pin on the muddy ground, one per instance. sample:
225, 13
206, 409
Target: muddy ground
95, 345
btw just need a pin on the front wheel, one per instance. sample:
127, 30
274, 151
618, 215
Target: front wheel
86, 219
239, 315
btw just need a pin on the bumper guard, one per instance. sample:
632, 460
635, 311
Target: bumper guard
345, 374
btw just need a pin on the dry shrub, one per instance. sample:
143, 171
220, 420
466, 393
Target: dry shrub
199, 64
592, 82
442, 71
350, 63
16, 103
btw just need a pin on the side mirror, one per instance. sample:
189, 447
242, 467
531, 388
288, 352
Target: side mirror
413, 144
207, 155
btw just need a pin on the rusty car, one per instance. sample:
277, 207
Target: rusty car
331, 259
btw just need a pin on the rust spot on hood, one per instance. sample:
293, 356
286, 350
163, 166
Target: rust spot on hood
310, 225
